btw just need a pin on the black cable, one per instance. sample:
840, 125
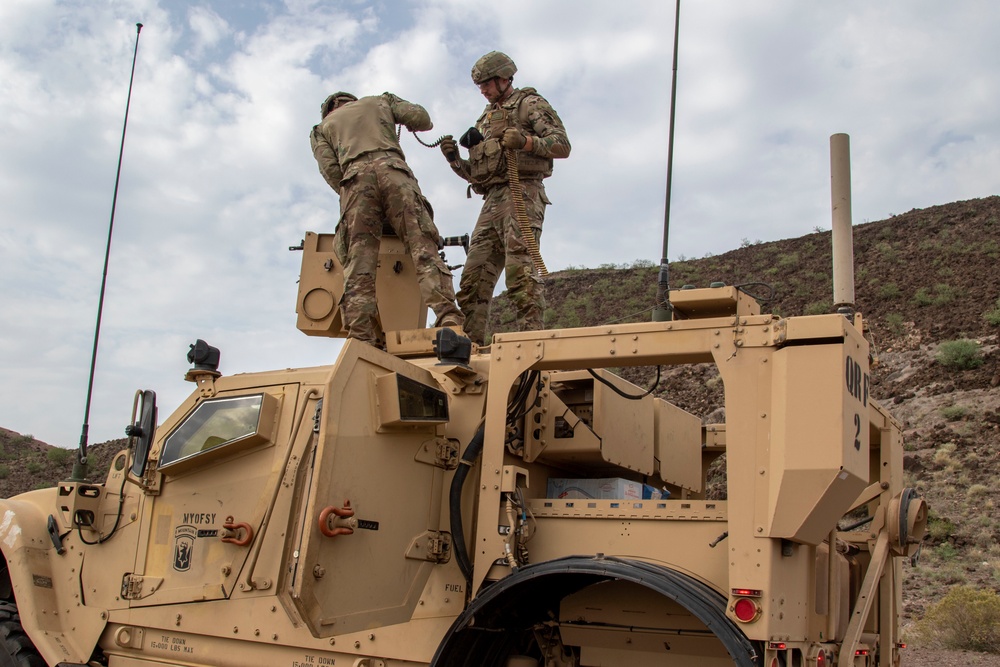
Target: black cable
622, 393
465, 464
768, 299
857, 525
519, 401
114, 529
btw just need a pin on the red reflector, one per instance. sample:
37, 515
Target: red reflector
781, 646
774, 662
746, 610
820, 659
747, 592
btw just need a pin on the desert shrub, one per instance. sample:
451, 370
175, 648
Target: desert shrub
894, 323
817, 308
954, 412
946, 551
992, 317
34, 467
966, 619
4, 471
788, 260
923, 297
961, 354
887, 251
942, 294
889, 291
978, 491
57, 455
938, 528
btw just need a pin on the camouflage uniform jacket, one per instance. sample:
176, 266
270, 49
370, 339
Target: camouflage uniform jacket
367, 125
529, 112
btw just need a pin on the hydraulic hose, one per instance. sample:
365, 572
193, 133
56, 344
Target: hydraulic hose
472, 452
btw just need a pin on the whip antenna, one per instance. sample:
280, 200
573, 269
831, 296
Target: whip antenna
663, 311
80, 467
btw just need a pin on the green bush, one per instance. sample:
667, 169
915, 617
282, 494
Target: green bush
962, 354
966, 619
34, 467
818, 308
889, 291
946, 551
993, 316
894, 322
57, 455
788, 260
923, 297
954, 412
938, 528
4, 471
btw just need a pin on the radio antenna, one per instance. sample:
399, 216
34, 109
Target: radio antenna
662, 310
80, 467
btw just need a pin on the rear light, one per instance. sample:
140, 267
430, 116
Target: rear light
820, 659
746, 593
861, 651
778, 646
745, 610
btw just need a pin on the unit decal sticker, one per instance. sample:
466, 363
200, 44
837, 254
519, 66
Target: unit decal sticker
184, 547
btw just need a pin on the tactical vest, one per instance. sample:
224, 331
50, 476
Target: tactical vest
488, 159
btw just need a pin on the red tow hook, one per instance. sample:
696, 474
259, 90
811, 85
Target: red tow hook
343, 524
232, 530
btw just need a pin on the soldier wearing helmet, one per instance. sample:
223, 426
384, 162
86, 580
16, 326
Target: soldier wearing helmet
515, 119
359, 155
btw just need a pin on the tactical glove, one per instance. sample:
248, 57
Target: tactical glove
512, 138
449, 148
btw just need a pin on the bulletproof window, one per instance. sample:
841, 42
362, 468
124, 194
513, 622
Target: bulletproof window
223, 423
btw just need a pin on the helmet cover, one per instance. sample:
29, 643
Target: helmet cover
493, 64
330, 102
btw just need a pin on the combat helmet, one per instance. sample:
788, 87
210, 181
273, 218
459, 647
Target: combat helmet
493, 64
329, 102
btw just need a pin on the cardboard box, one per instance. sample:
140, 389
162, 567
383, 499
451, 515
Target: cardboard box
609, 488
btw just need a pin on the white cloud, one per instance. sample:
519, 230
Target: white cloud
209, 28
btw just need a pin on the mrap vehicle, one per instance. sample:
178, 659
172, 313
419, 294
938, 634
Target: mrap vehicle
516, 505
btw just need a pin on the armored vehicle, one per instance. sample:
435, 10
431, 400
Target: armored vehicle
516, 505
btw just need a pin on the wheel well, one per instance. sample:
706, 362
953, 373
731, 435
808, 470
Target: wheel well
491, 628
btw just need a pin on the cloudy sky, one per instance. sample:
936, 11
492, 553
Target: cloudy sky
218, 180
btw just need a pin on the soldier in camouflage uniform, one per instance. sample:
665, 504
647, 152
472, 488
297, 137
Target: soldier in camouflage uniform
523, 121
360, 157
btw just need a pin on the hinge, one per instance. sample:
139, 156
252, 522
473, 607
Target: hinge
317, 416
433, 546
439, 452
131, 587
136, 586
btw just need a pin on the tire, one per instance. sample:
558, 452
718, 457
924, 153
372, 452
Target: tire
16, 649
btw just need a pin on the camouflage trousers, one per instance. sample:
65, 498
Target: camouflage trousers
497, 244
382, 190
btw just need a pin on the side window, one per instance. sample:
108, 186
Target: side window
214, 424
